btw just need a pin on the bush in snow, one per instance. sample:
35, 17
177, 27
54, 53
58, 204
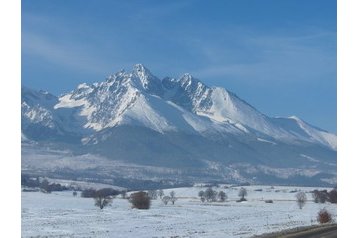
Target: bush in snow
324, 216
320, 196
301, 199
140, 200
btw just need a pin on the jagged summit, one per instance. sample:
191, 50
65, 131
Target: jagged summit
184, 104
181, 123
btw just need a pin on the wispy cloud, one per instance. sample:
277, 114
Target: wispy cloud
73, 56
275, 58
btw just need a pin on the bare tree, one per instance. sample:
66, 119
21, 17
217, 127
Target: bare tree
301, 199
172, 197
242, 194
201, 194
102, 198
166, 199
222, 196
160, 193
140, 200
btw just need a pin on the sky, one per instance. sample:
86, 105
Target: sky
278, 55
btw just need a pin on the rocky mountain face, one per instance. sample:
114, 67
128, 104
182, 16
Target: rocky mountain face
137, 118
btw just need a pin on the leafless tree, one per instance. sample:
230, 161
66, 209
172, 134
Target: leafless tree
160, 193
301, 199
166, 199
172, 197
103, 198
242, 193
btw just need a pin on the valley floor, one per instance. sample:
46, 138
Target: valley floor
59, 214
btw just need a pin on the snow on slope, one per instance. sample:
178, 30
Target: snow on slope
184, 104
304, 131
37, 107
132, 99
221, 105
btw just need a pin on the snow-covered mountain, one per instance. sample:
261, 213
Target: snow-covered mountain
141, 116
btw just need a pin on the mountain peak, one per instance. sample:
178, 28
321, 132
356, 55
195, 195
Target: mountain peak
147, 80
140, 69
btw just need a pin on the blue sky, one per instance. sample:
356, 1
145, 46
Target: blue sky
278, 55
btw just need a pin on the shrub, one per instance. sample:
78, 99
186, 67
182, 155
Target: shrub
324, 216
269, 201
332, 195
74, 193
140, 200
320, 196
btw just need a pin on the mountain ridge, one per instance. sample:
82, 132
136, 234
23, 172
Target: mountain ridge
120, 98
135, 117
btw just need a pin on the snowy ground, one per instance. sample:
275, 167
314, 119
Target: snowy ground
61, 215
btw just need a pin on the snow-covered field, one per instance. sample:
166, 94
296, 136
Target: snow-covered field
61, 215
